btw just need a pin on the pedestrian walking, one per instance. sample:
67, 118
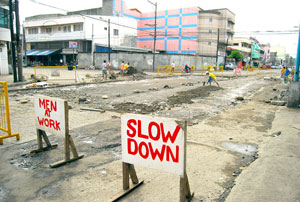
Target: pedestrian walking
104, 70
173, 67
122, 68
286, 75
211, 77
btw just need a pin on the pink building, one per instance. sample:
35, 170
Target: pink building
176, 29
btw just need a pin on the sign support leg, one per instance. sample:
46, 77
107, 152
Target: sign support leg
185, 191
40, 136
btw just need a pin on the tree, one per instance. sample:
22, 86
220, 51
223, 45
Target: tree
236, 55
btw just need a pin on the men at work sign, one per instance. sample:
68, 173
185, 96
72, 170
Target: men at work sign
50, 114
153, 142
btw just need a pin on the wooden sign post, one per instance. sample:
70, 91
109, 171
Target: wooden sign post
52, 115
152, 142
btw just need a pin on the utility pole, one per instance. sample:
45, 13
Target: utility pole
19, 44
154, 45
92, 53
108, 40
24, 45
154, 40
296, 77
224, 66
12, 37
217, 54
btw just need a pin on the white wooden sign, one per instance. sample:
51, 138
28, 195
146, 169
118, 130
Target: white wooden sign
152, 142
50, 114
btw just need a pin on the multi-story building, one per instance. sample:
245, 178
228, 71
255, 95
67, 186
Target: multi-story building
48, 37
184, 31
4, 37
178, 31
215, 31
244, 45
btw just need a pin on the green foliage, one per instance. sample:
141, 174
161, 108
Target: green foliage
235, 54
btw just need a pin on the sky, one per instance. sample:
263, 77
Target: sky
250, 16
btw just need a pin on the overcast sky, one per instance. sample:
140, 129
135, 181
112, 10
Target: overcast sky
251, 15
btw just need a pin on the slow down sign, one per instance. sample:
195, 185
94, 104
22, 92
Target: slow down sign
153, 142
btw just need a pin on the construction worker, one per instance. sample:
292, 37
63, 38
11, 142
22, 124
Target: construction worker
211, 77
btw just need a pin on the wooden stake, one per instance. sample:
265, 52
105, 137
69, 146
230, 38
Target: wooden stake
40, 136
68, 143
184, 188
129, 170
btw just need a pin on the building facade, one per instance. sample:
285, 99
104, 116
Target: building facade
48, 37
4, 38
184, 31
178, 31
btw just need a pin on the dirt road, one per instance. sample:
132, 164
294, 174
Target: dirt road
227, 128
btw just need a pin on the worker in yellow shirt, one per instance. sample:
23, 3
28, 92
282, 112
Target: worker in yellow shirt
282, 71
211, 77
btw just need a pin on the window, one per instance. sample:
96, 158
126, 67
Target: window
116, 32
0, 49
78, 27
3, 18
48, 30
235, 44
67, 28
210, 19
33, 31
209, 31
59, 29
209, 43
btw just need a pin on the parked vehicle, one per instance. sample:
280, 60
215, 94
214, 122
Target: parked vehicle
230, 66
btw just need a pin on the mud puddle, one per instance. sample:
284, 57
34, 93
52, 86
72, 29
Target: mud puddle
247, 149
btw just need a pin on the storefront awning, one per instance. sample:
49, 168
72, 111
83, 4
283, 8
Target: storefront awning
40, 52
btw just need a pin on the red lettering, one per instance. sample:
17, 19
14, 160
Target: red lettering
41, 122
129, 125
157, 153
170, 153
42, 103
57, 125
47, 113
140, 131
46, 122
129, 146
144, 156
52, 124
47, 104
169, 136
157, 131
54, 106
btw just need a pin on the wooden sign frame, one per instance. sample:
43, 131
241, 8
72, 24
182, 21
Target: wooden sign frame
68, 142
129, 172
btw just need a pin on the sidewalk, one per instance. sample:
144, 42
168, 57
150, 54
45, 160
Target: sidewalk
275, 175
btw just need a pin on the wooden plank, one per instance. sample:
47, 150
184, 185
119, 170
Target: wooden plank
73, 148
132, 174
128, 191
67, 142
125, 168
44, 135
63, 162
43, 149
39, 139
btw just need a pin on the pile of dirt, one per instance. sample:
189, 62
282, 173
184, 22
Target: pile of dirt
131, 70
187, 96
138, 108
